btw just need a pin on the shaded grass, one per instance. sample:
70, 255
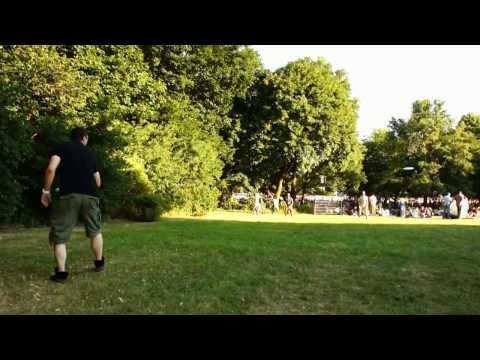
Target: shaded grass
332, 265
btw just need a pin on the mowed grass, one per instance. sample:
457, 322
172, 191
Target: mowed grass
236, 263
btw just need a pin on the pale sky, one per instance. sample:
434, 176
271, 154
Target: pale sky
387, 79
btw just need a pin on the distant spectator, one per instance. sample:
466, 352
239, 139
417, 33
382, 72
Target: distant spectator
276, 205
415, 212
363, 205
447, 201
373, 204
453, 210
463, 209
429, 212
258, 206
403, 208
289, 202
458, 199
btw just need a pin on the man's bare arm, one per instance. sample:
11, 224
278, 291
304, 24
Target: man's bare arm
50, 171
49, 176
98, 180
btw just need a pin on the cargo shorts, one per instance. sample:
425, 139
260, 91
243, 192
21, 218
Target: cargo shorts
67, 210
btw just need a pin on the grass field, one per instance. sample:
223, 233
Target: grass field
235, 263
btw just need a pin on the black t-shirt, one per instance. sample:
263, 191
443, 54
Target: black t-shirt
77, 166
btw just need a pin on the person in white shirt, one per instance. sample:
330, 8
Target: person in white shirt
363, 205
373, 204
258, 206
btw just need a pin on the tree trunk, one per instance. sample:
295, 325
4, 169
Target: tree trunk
279, 187
304, 190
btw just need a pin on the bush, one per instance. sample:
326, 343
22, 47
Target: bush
231, 204
143, 208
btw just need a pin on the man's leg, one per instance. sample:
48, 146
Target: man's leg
96, 243
93, 230
63, 220
60, 253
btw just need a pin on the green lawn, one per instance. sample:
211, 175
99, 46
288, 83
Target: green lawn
232, 263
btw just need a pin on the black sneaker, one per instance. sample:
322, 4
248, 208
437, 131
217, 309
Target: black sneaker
59, 276
99, 264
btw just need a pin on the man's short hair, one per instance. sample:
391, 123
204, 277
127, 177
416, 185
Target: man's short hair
78, 134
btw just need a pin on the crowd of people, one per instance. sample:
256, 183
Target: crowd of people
286, 203
446, 206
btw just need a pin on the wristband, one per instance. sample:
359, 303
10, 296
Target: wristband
45, 192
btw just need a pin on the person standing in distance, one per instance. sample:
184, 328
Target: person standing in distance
289, 205
258, 205
447, 201
363, 205
79, 178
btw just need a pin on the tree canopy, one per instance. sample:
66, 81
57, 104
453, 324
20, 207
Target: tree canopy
185, 125
299, 123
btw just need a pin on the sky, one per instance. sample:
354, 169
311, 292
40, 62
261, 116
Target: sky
387, 79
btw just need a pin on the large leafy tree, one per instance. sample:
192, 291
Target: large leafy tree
41, 92
161, 142
471, 122
468, 135
212, 77
132, 118
443, 157
383, 164
422, 143
299, 122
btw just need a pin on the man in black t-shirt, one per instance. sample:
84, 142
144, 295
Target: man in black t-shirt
76, 165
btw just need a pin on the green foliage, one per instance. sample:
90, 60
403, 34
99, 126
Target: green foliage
305, 208
444, 157
143, 208
300, 122
237, 182
15, 147
471, 123
382, 165
212, 77
146, 141
190, 124
39, 93
231, 203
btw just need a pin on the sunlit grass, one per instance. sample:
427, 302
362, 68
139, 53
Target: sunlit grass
237, 263
299, 218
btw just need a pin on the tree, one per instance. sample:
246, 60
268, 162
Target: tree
298, 122
468, 142
460, 164
212, 77
178, 159
423, 143
134, 126
382, 164
443, 157
41, 92
164, 149
471, 123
